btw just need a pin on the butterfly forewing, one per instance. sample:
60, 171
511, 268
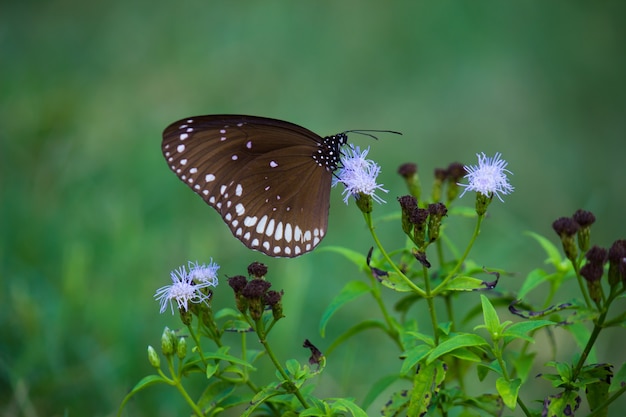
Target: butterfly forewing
259, 174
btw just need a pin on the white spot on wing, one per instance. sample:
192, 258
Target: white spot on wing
183, 136
250, 221
279, 231
273, 164
276, 249
238, 190
288, 232
240, 209
209, 177
270, 228
193, 170
260, 227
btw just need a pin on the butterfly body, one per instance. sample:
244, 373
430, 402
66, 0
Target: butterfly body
269, 179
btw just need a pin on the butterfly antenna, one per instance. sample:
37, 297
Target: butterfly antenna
368, 132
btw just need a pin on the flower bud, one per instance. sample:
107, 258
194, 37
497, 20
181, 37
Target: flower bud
181, 349
455, 172
257, 269
153, 358
436, 212
566, 228
617, 263
408, 203
584, 219
168, 342
408, 171
273, 299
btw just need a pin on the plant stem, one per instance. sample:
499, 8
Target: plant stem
262, 339
370, 226
458, 265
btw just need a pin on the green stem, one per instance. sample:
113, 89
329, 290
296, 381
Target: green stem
175, 381
391, 328
261, 333
458, 265
431, 304
581, 285
370, 226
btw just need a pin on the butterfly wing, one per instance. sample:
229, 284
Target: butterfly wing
259, 174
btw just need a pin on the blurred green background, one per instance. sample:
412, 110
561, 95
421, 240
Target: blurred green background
92, 220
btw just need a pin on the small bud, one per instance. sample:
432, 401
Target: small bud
238, 283
257, 270
181, 349
566, 228
168, 342
408, 171
440, 177
456, 171
436, 212
617, 263
408, 203
254, 292
584, 219
153, 358
273, 300
418, 218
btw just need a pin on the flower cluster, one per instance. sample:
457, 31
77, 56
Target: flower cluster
358, 174
188, 286
488, 177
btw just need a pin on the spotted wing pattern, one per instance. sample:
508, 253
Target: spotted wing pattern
270, 180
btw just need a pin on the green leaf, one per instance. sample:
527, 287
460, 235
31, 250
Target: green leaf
554, 254
426, 384
619, 380
357, 258
520, 330
464, 283
224, 357
533, 279
412, 357
565, 403
455, 342
597, 393
211, 368
492, 321
509, 390
466, 355
343, 404
351, 291
215, 393
145, 382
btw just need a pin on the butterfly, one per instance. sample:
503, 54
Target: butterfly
270, 180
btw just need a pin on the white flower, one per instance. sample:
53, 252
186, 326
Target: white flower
489, 177
182, 290
358, 174
204, 273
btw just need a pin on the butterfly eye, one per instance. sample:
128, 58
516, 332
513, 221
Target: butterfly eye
269, 179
